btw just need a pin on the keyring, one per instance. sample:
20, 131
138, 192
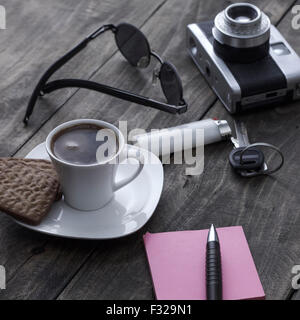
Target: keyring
263, 144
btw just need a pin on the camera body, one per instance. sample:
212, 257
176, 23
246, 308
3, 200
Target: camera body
246, 60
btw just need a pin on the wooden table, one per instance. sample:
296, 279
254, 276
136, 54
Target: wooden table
44, 267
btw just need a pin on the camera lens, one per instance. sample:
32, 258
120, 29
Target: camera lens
241, 32
242, 13
241, 25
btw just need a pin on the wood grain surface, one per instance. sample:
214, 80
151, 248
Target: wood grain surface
38, 32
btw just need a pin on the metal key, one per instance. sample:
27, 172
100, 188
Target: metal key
252, 160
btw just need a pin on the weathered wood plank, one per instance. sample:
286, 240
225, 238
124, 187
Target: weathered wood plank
292, 36
115, 254
280, 127
105, 76
118, 269
266, 206
22, 62
217, 196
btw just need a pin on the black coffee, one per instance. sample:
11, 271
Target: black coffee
78, 144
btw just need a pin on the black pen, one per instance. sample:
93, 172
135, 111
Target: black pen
213, 266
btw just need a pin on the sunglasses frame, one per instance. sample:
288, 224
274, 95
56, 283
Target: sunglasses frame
44, 87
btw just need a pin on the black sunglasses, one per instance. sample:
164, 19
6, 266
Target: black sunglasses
135, 48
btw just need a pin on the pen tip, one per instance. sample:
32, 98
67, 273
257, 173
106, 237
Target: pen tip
212, 229
212, 234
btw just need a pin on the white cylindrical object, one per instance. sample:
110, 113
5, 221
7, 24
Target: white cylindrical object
170, 140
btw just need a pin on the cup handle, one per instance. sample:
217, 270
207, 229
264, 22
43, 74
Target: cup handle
135, 154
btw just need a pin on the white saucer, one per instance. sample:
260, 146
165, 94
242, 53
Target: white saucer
131, 208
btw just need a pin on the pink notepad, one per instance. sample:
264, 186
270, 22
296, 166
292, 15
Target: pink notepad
177, 264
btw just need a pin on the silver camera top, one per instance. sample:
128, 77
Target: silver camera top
241, 25
244, 58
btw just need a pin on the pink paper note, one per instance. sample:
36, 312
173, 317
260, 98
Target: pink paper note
177, 265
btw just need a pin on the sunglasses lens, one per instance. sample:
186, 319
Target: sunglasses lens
133, 45
171, 83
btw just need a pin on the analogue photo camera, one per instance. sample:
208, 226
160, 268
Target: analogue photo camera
244, 58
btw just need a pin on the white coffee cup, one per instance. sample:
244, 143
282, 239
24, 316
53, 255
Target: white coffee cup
91, 186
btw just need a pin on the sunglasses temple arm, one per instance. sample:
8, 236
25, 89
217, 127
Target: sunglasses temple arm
118, 93
39, 89
102, 29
